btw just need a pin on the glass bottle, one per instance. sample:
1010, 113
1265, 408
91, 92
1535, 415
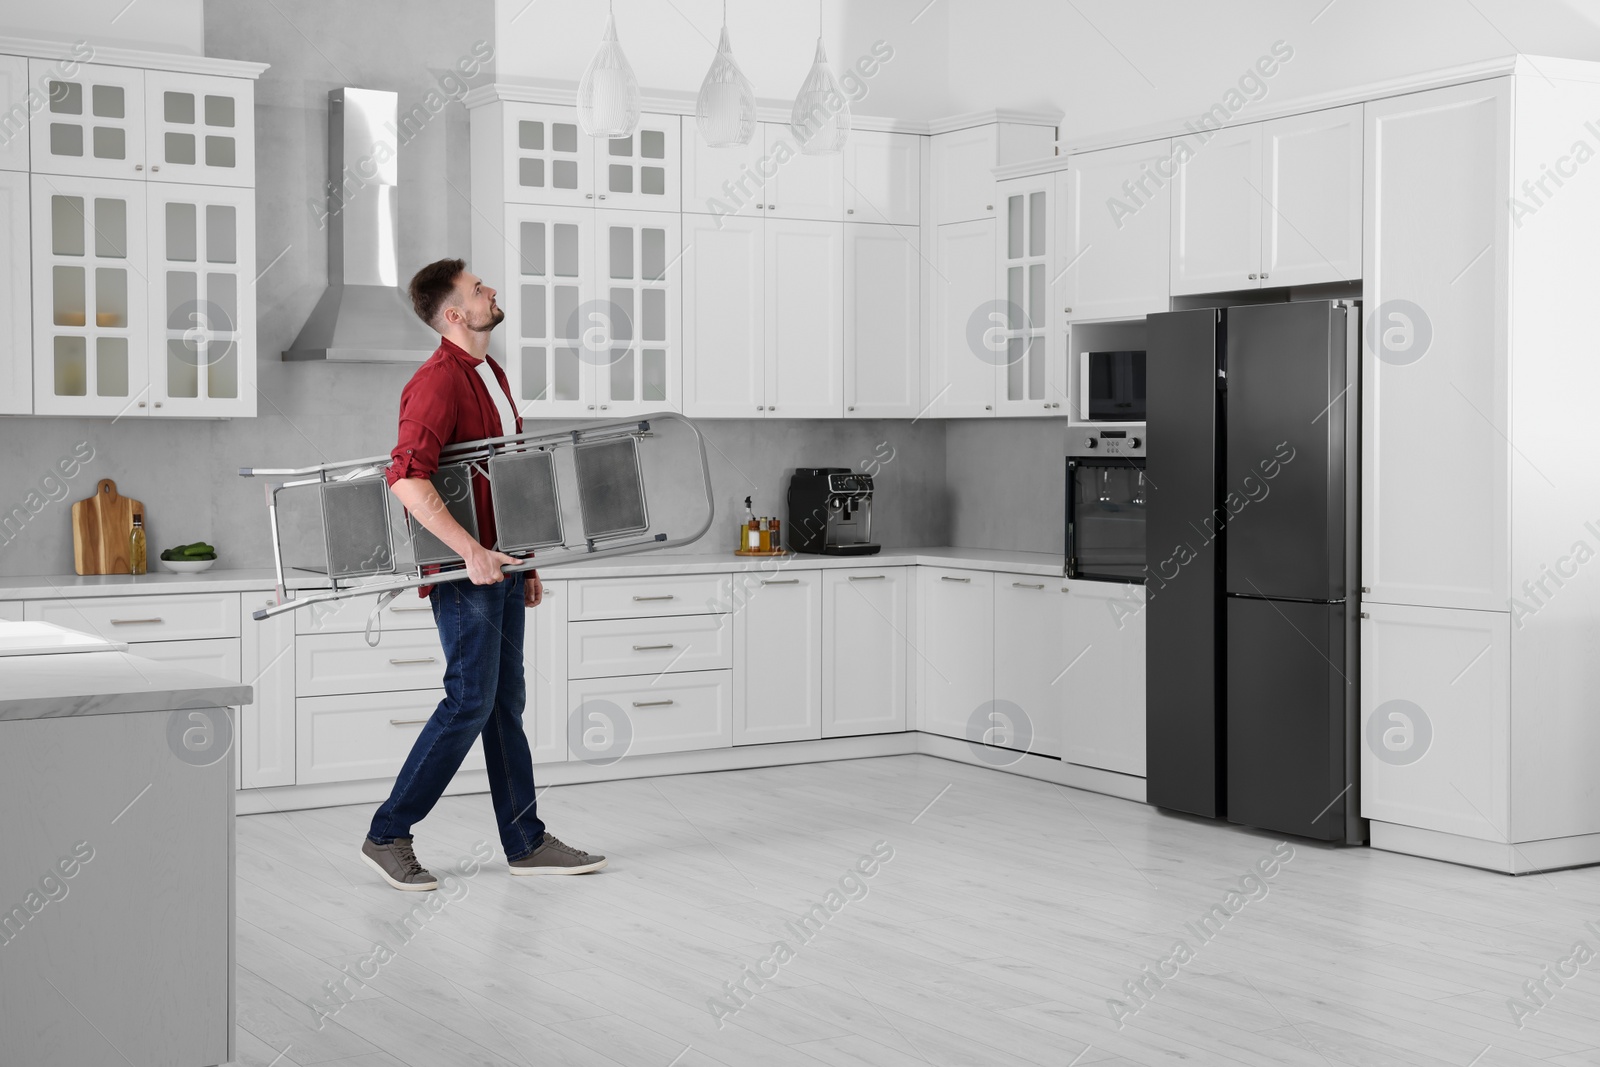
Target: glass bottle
136, 547
766, 536
777, 542
750, 538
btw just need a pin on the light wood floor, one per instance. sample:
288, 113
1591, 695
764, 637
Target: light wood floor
1011, 912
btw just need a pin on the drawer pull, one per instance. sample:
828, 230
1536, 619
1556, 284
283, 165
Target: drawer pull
669, 596
407, 722
651, 703
650, 648
780, 581
1027, 585
403, 662
947, 578
126, 622
867, 577
411, 609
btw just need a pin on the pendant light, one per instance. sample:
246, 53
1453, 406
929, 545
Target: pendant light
726, 107
608, 95
821, 116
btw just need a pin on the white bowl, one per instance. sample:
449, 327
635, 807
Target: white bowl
187, 566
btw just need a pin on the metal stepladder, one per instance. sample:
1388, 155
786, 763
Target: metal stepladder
558, 497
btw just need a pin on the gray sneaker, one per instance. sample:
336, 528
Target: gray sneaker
398, 865
553, 856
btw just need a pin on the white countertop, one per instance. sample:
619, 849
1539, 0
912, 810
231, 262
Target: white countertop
106, 683
45, 587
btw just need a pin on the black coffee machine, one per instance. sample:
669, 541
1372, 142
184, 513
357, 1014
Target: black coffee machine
830, 512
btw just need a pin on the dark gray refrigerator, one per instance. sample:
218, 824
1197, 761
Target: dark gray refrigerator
1252, 532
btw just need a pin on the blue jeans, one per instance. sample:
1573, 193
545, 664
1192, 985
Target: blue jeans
481, 628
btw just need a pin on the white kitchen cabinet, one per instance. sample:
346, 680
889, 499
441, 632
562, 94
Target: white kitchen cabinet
93, 123
1436, 719
1311, 217
202, 270
864, 649
199, 128
882, 321
801, 186
91, 325
16, 303
550, 279
354, 736
1216, 213
778, 638
638, 363
968, 322
1030, 661
1033, 375
1113, 253
545, 156
544, 669
724, 326
955, 647
267, 664
218, 657
883, 178
641, 170
12, 610
962, 162
804, 319
1102, 677
1435, 399
14, 87
660, 713
723, 181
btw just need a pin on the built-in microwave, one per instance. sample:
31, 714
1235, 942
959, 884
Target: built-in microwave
1116, 387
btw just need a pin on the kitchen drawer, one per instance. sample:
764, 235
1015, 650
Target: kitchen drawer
650, 713
219, 656
607, 648
326, 664
636, 598
406, 612
347, 738
143, 618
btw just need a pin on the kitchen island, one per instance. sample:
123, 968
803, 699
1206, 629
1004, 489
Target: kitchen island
116, 892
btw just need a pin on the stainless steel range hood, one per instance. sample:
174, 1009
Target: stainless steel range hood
364, 316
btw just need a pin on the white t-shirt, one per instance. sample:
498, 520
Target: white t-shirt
502, 402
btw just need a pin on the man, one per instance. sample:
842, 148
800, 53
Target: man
460, 394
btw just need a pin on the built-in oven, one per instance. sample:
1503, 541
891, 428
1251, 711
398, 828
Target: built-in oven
1106, 493
1116, 387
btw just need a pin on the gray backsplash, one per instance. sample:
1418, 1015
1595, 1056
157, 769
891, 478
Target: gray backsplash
971, 483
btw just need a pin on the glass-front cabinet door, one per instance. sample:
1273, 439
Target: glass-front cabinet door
1026, 386
90, 325
548, 298
200, 128
637, 358
548, 158
202, 300
92, 122
640, 170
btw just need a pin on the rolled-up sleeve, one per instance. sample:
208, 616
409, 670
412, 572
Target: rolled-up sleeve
427, 421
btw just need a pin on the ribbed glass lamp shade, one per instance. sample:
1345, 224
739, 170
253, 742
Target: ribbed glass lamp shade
608, 95
726, 107
821, 116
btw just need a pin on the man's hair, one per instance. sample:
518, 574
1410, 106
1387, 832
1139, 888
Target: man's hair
432, 287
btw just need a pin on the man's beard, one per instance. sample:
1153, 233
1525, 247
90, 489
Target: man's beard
496, 317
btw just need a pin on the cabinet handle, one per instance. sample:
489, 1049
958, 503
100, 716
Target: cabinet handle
669, 596
852, 407
651, 703
588, 196
602, 407
988, 407
780, 581
138, 166
155, 167
1365, 589
1027, 585
410, 609
947, 578
1067, 310
1252, 277
988, 207
403, 662
158, 403
849, 211
650, 648
407, 722
129, 622
1364, 615
602, 196
141, 403
1263, 275
760, 408
591, 407
772, 207
867, 577
772, 407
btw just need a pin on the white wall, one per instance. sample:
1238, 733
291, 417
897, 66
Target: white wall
155, 25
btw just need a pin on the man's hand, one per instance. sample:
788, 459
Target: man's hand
483, 565
532, 591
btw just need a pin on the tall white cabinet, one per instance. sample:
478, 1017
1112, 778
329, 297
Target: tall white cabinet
133, 263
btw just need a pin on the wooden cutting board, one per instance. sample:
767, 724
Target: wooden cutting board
101, 525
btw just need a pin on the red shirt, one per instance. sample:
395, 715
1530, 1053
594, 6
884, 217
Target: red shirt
446, 402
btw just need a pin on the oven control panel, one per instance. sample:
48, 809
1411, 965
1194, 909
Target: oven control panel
1093, 442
